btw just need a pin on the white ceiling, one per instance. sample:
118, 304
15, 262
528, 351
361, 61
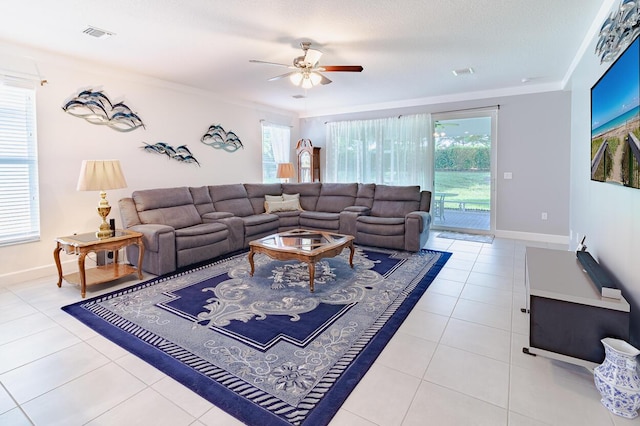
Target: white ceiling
408, 48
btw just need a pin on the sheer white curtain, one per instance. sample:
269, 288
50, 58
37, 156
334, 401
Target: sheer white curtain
281, 143
276, 148
392, 151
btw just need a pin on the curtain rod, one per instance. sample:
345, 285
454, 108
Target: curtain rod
439, 112
468, 109
262, 121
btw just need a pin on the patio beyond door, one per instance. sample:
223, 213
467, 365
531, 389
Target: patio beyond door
464, 145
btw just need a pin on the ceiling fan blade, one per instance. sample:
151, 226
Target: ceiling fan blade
278, 77
255, 61
324, 80
347, 68
312, 57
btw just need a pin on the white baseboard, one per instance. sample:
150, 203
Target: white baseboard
530, 236
33, 273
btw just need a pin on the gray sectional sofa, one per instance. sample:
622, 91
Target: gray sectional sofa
187, 225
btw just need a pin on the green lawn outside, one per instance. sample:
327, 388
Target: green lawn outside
473, 188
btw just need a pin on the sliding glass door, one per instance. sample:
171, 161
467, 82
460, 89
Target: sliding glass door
465, 145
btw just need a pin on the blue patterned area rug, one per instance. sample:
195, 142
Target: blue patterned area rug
264, 348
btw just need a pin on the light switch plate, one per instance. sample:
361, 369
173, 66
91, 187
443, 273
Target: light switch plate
508, 175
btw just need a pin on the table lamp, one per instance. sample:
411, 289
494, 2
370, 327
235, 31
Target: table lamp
100, 175
285, 171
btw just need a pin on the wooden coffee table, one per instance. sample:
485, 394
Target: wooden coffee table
303, 245
83, 244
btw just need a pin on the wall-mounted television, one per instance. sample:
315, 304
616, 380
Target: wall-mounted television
615, 121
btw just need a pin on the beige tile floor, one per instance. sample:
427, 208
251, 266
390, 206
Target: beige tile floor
456, 360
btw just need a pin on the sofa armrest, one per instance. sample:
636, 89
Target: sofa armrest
215, 216
349, 217
361, 210
160, 248
416, 228
155, 236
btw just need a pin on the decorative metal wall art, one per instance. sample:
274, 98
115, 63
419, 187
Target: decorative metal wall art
218, 138
619, 30
180, 153
96, 108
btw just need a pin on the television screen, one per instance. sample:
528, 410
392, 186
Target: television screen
615, 121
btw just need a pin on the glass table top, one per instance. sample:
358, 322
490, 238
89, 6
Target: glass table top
301, 240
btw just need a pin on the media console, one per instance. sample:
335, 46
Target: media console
568, 316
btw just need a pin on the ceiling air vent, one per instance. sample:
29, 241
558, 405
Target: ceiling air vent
97, 32
463, 71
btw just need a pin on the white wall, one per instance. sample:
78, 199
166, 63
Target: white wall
533, 144
607, 214
173, 114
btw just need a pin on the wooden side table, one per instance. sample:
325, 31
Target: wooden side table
83, 244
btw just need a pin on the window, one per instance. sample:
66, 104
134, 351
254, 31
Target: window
276, 148
19, 207
392, 151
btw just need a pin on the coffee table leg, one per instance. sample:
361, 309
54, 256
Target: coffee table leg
83, 277
140, 257
56, 257
312, 274
251, 253
351, 254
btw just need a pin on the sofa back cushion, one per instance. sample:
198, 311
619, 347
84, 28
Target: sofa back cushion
364, 196
257, 191
166, 206
231, 198
335, 197
395, 201
309, 193
202, 200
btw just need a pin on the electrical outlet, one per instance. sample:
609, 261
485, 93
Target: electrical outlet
544, 215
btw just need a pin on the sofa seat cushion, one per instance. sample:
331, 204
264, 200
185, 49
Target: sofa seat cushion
260, 223
200, 235
380, 225
320, 220
288, 220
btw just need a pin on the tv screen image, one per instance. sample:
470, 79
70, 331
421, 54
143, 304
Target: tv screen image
615, 121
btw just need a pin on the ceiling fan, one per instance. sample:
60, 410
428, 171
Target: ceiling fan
306, 70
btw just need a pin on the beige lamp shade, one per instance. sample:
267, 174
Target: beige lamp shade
100, 175
285, 171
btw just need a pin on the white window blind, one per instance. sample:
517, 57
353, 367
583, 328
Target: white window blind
19, 206
276, 146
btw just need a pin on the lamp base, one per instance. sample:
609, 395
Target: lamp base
104, 234
105, 230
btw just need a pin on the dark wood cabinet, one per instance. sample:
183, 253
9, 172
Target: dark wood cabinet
308, 161
567, 314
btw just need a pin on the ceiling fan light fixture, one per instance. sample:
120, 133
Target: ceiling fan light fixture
315, 78
307, 83
296, 78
